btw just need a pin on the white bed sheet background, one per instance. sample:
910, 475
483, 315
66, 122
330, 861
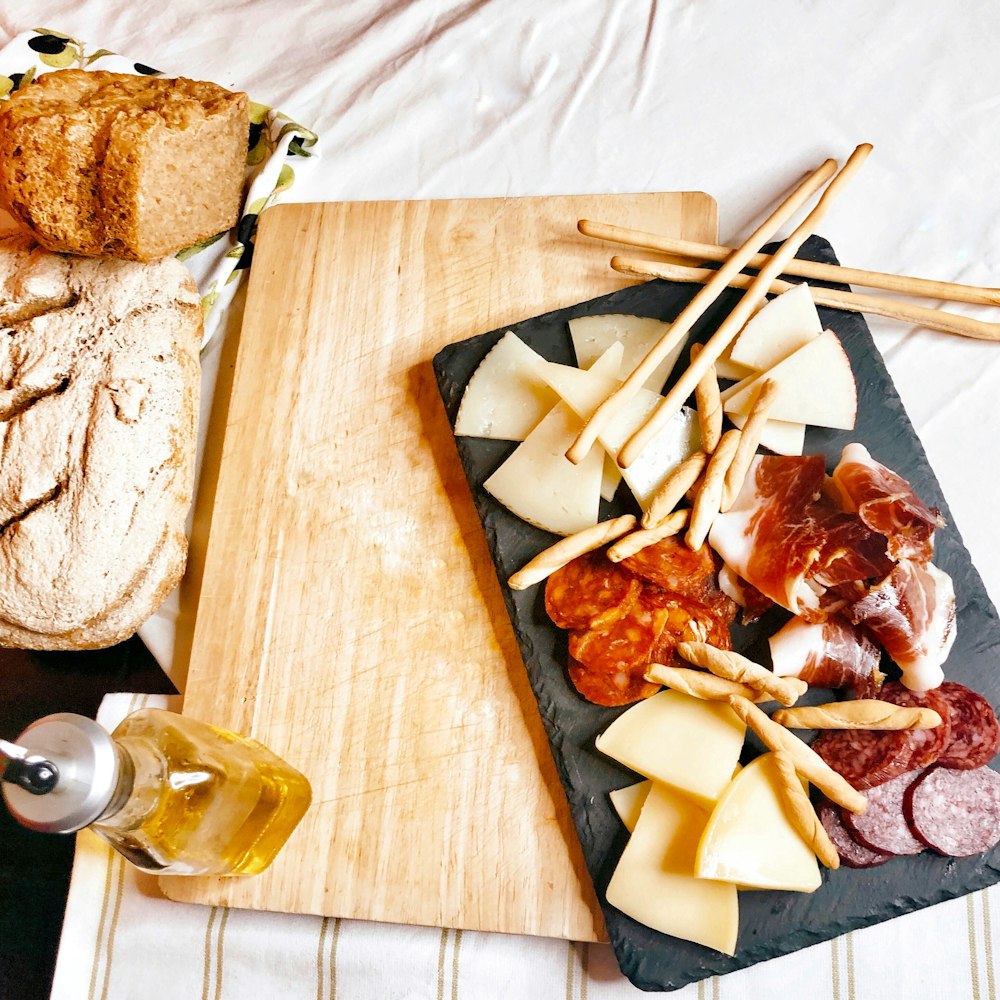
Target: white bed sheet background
450, 98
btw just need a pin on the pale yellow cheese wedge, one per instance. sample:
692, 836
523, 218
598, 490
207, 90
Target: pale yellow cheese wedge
593, 335
584, 391
538, 484
628, 802
506, 397
749, 839
541, 486
653, 881
816, 386
685, 742
785, 323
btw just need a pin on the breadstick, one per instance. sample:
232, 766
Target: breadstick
767, 396
671, 404
706, 503
636, 541
709, 405
698, 684
807, 762
864, 713
732, 666
567, 549
673, 488
802, 814
696, 308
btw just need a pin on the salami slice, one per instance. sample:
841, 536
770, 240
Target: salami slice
956, 813
864, 757
925, 745
975, 733
609, 665
590, 592
883, 826
853, 854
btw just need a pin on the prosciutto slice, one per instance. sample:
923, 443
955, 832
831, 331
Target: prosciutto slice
912, 614
832, 654
786, 536
886, 503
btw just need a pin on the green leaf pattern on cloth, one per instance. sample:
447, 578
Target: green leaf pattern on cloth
275, 141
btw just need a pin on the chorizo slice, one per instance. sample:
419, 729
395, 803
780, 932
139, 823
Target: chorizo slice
925, 745
590, 592
975, 733
670, 565
864, 757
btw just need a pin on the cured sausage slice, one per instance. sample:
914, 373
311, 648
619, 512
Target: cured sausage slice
883, 826
608, 684
864, 757
975, 733
590, 592
670, 565
692, 621
925, 745
607, 667
956, 813
853, 854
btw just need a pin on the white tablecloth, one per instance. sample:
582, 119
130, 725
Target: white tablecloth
446, 98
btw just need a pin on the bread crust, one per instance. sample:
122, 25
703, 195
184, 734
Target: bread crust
98, 422
135, 167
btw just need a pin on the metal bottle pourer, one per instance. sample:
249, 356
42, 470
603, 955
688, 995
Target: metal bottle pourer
60, 774
29, 771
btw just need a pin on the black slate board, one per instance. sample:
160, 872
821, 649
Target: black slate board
771, 923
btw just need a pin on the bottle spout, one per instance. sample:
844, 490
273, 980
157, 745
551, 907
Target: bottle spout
29, 771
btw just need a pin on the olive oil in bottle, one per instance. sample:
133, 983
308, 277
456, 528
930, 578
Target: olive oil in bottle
175, 796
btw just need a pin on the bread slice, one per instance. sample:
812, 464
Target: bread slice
98, 414
112, 165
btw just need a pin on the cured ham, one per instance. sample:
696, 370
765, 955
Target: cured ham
911, 612
786, 536
886, 503
833, 654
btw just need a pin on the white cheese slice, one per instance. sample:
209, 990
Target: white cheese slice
611, 476
749, 839
725, 367
653, 881
539, 484
628, 802
655, 737
506, 397
782, 436
593, 335
786, 323
816, 386
585, 391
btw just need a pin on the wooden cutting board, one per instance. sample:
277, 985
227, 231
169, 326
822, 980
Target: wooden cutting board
349, 616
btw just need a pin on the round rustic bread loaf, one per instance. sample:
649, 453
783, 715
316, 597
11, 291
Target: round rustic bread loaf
113, 165
97, 442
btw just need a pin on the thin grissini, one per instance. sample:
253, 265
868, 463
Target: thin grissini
873, 305
695, 309
862, 713
569, 548
671, 404
636, 541
802, 814
706, 504
767, 395
707, 687
673, 489
928, 288
807, 762
734, 667
708, 400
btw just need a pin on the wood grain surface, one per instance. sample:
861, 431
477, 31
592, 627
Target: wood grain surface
349, 616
